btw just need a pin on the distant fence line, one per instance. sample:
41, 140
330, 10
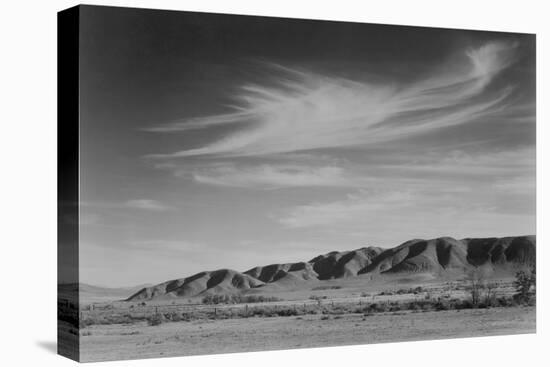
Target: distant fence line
238, 308
243, 309
137, 307
142, 308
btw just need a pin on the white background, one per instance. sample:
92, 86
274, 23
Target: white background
28, 180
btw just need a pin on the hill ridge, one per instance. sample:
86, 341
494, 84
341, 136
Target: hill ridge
442, 255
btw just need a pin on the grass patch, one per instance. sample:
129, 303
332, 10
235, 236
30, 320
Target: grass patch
215, 299
326, 287
416, 290
327, 310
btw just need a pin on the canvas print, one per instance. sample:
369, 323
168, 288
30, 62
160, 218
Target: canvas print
239, 183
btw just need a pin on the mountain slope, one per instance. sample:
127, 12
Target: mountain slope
434, 255
278, 272
207, 282
439, 256
500, 251
344, 264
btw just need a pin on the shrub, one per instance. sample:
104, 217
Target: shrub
396, 306
420, 305
466, 303
156, 319
525, 284
317, 298
325, 287
174, 316
505, 302
443, 305
402, 291
287, 312
414, 306
262, 312
214, 299
378, 307
130, 333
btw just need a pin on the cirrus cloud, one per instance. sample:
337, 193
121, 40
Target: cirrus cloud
306, 110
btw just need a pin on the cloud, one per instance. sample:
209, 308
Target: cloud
419, 169
161, 246
273, 176
400, 215
306, 111
147, 204
140, 204
522, 185
434, 191
355, 207
507, 163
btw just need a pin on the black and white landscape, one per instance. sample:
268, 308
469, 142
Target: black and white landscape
421, 289
253, 183
416, 260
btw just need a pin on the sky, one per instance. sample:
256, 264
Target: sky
213, 141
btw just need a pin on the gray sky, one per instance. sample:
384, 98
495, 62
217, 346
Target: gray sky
213, 141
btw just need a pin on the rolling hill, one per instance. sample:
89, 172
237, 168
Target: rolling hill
444, 256
206, 282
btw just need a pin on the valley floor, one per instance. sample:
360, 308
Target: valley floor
110, 342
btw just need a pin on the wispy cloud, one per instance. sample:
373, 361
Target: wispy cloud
165, 246
354, 208
273, 176
455, 182
407, 214
508, 163
147, 204
140, 204
307, 111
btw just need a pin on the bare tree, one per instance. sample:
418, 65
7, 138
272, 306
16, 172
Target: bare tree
477, 281
490, 293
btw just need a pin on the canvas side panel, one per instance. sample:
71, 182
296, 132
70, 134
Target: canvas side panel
68, 182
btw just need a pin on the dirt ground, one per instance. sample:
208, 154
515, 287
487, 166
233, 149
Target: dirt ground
110, 342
